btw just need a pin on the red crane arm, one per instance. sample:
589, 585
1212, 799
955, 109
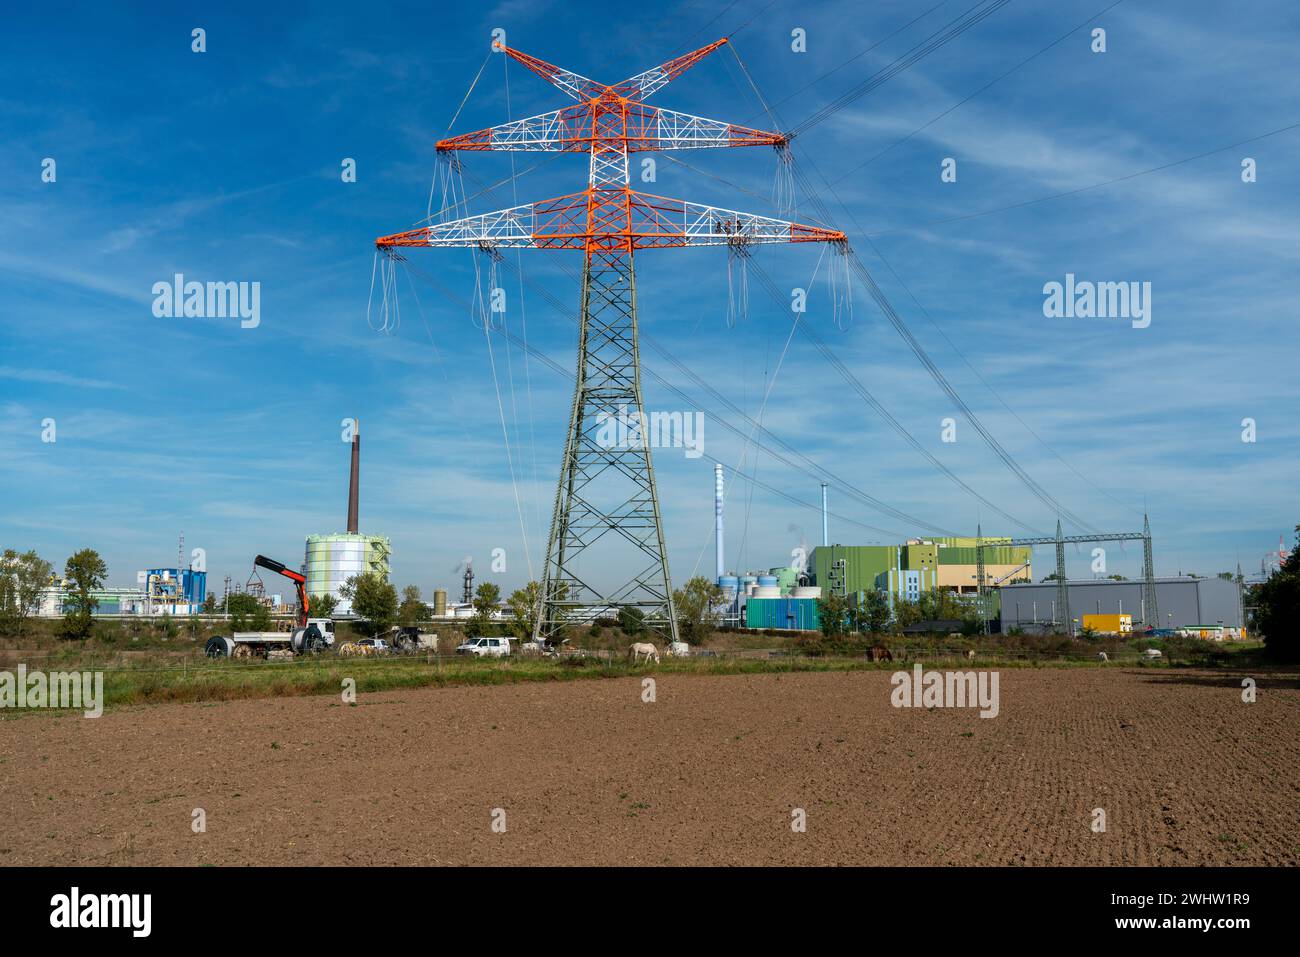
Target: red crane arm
299, 580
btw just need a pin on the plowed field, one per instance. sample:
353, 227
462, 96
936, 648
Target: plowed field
585, 772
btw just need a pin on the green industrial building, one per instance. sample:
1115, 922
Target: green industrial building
917, 566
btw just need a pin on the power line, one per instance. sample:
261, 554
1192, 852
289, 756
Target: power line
1084, 189
963, 102
857, 56
882, 301
939, 38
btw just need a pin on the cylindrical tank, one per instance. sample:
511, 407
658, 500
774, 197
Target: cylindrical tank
333, 559
786, 577
439, 602
768, 581
747, 580
767, 591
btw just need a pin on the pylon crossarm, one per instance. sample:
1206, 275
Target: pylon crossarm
612, 219
575, 84
509, 228
642, 85
659, 221
564, 130
576, 129
651, 128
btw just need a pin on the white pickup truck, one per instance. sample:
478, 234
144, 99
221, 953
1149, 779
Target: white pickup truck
317, 636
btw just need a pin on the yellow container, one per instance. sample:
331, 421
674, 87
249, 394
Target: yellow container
1109, 624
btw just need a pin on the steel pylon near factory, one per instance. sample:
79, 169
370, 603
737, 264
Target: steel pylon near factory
607, 489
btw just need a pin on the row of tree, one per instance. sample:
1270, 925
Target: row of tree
839, 617
24, 575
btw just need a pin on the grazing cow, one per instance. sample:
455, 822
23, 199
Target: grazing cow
635, 651
879, 653
970, 655
1101, 656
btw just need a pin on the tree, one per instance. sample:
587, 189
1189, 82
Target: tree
525, 606
871, 614
247, 613
373, 598
906, 612
412, 610
21, 579
833, 613
210, 604
697, 609
322, 606
1277, 609
941, 604
486, 597
631, 620
85, 572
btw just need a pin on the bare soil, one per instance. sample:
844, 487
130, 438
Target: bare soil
586, 773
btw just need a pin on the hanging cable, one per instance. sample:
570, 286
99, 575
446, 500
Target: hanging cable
783, 182
737, 283
390, 317
841, 288
523, 319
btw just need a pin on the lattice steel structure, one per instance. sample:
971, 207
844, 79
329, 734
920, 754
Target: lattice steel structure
607, 490
1061, 616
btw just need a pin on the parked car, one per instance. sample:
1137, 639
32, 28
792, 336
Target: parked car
484, 647
380, 646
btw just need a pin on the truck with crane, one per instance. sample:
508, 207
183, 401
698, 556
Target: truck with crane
308, 635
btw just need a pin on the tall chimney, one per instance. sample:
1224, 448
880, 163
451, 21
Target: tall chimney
718, 486
826, 533
355, 480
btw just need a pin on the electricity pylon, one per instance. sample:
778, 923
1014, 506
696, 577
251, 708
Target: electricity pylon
608, 488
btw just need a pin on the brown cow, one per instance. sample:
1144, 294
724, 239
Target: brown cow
879, 653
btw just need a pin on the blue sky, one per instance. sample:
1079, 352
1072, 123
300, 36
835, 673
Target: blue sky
225, 166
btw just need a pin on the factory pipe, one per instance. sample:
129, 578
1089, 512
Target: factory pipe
354, 481
718, 486
826, 535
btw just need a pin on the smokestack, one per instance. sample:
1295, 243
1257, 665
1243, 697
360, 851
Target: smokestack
826, 534
718, 486
355, 481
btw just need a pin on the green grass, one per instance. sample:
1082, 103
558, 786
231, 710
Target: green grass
154, 679
225, 680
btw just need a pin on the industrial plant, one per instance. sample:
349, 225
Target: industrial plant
334, 558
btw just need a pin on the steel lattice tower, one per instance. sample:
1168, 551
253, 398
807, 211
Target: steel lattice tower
606, 491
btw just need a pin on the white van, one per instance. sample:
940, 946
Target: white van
484, 647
